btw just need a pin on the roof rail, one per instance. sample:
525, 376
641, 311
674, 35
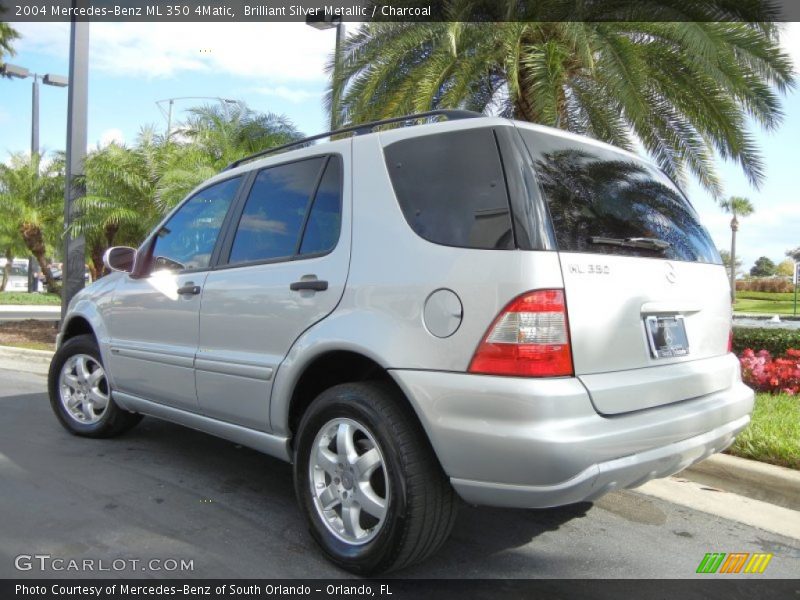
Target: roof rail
360, 129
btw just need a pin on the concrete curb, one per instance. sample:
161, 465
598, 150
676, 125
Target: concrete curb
24, 360
32, 308
757, 480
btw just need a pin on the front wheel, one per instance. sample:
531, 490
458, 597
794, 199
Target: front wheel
79, 392
369, 482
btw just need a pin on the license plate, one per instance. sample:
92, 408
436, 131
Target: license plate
667, 336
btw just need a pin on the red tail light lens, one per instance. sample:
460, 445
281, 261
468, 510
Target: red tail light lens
529, 338
730, 341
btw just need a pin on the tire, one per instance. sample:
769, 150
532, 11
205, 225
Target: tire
419, 505
82, 403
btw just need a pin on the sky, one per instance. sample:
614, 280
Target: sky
279, 68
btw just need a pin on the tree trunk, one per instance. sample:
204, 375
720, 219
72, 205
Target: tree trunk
734, 228
99, 248
96, 261
7, 269
34, 241
523, 111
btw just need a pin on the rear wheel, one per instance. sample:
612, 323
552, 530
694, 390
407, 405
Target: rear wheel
369, 483
80, 394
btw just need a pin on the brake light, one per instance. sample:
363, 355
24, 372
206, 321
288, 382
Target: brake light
529, 338
730, 340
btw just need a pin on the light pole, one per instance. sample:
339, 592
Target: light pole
168, 112
18, 72
77, 109
329, 22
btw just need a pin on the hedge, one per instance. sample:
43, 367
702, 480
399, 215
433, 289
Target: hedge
776, 341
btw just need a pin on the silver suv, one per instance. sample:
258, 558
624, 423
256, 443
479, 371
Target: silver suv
475, 308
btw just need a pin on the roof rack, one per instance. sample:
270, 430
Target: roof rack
361, 129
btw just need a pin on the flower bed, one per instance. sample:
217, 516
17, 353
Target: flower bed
765, 373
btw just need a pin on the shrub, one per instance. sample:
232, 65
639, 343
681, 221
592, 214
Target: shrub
775, 341
775, 375
765, 284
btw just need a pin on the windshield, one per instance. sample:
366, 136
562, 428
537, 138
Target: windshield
607, 202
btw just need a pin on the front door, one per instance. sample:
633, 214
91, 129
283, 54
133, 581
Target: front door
154, 320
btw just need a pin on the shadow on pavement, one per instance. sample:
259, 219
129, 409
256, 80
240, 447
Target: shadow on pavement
162, 486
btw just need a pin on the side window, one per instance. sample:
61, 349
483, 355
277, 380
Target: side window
282, 205
187, 240
451, 188
325, 220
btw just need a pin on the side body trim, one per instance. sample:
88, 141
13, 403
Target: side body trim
277, 446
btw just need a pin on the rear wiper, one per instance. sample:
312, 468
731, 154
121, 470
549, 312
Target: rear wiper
632, 242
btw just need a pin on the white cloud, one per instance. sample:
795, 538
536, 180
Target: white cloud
283, 52
790, 40
110, 136
290, 94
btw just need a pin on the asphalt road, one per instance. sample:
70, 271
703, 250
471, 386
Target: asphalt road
163, 491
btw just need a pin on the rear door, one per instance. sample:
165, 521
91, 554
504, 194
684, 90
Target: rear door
283, 268
647, 298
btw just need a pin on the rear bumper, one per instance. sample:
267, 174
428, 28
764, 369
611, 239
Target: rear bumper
533, 443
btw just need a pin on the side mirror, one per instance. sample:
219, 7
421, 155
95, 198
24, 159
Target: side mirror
120, 258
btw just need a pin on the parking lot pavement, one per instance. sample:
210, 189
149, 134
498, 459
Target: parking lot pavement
166, 492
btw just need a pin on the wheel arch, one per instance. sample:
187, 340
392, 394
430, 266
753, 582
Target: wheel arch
76, 325
324, 371
327, 368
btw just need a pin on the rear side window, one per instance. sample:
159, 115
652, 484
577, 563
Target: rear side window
451, 188
291, 208
597, 197
324, 220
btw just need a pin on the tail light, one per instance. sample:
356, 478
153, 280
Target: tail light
730, 340
529, 338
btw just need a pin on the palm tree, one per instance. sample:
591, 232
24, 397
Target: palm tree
214, 137
738, 207
7, 35
119, 205
684, 90
32, 200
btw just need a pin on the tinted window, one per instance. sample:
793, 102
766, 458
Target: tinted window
451, 188
273, 216
187, 240
595, 192
324, 222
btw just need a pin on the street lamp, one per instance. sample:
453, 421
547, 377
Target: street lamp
168, 112
17, 72
323, 23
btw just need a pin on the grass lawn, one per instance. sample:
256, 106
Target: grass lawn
789, 296
25, 298
774, 433
774, 307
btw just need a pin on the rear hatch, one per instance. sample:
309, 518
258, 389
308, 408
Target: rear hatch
647, 298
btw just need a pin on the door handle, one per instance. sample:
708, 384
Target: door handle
315, 285
189, 288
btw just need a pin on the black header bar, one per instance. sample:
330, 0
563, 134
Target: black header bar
487, 11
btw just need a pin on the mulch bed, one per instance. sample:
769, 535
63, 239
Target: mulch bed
29, 330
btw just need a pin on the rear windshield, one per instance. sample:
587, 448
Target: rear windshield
597, 196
